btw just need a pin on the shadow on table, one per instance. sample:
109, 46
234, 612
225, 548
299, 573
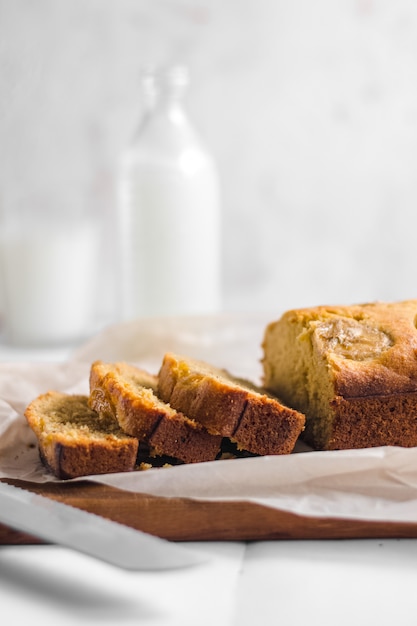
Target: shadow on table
71, 591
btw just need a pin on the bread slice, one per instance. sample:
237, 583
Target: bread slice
228, 406
128, 394
75, 441
351, 369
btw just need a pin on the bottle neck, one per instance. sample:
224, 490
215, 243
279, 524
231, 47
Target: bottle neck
165, 128
164, 91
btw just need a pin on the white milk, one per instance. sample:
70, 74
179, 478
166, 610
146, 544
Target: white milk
49, 278
171, 243
169, 211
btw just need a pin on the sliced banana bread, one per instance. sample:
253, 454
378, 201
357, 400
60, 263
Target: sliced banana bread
128, 394
228, 406
75, 441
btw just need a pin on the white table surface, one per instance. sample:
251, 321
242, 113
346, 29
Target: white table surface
272, 582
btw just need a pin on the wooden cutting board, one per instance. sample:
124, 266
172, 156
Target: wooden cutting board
183, 519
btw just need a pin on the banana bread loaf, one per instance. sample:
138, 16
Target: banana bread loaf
351, 369
75, 441
228, 406
128, 394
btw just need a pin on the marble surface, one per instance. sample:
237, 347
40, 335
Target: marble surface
310, 110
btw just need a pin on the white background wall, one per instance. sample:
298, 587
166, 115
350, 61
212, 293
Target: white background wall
310, 109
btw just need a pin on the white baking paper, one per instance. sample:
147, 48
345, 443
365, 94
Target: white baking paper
378, 484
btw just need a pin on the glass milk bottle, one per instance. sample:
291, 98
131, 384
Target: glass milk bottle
169, 213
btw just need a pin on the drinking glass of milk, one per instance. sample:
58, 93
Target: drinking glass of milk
48, 270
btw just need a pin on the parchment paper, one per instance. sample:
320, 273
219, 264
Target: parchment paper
378, 484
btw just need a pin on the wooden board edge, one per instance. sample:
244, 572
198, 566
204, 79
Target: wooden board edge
184, 519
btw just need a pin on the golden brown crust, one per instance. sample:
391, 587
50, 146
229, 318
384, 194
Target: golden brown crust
125, 392
184, 439
361, 358
268, 427
389, 420
394, 370
74, 442
205, 398
228, 407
